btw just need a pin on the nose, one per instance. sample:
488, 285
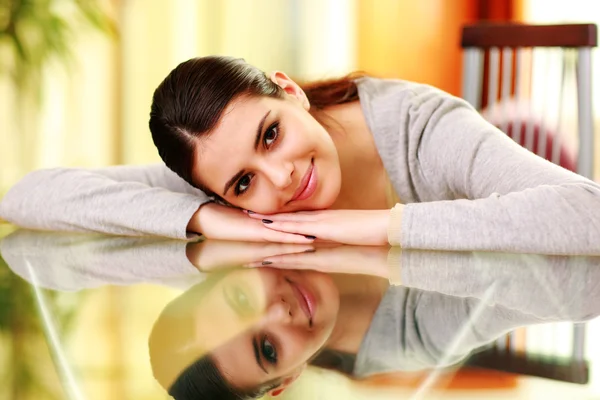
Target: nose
280, 174
279, 311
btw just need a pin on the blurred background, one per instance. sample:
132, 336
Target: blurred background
77, 76
76, 80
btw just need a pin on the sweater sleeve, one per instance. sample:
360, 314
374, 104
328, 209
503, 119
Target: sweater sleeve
121, 200
413, 330
470, 187
73, 262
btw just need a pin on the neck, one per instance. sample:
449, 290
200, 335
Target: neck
363, 174
360, 296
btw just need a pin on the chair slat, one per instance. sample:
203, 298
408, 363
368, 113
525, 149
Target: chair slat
505, 93
494, 63
585, 159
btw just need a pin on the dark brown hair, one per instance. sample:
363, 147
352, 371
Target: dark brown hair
177, 371
204, 380
189, 102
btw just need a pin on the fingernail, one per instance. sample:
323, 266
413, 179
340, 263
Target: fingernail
310, 237
267, 221
250, 212
310, 251
267, 263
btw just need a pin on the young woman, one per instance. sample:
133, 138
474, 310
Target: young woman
356, 160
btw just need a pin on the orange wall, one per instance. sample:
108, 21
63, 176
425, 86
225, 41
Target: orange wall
414, 40
419, 40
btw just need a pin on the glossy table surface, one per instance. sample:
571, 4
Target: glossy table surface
96, 317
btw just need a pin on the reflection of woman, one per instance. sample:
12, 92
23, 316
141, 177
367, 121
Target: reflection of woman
380, 161
244, 333
241, 334
373, 328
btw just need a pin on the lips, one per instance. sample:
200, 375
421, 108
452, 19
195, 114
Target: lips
306, 301
308, 184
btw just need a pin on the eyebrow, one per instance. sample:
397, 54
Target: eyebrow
237, 176
257, 356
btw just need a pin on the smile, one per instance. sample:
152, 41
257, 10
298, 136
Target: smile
306, 301
308, 184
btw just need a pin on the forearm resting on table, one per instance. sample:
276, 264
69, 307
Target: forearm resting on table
194, 222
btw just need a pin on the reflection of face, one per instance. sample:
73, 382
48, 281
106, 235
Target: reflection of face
257, 324
260, 152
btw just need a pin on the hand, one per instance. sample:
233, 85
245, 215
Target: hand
209, 255
215, 221
360, 227
367, 260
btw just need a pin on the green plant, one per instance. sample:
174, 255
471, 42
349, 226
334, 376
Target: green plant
33, 32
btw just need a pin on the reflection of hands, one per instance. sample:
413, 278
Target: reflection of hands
212, 254
359, 227
368, 260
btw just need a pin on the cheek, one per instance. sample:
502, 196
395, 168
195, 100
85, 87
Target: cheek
262, 205
263, 199
300, 346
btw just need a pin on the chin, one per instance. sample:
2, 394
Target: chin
328, 197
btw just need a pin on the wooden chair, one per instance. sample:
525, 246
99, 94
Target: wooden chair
498, 80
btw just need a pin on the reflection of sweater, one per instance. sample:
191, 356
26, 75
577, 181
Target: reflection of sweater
414, 330
466, 185
459, 302
73, 262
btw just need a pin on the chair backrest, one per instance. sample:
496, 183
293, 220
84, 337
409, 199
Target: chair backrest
500, 66
498, 76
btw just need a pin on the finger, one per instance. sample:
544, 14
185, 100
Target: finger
276, 249
306, 229
262, 264
279, 249
285, 237
297, 216
295, 258
266, 249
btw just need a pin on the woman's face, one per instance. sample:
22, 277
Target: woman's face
270, 155
265, 324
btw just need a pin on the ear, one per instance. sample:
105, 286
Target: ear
290, 87
287, 382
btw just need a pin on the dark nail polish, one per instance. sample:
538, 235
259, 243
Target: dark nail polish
310, 237
267, 263
267, 221
310, 251
250, 212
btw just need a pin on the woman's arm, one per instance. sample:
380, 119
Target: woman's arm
470, 187
123, 200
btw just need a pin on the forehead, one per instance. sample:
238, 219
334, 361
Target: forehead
241, 117
231, 143
235, 129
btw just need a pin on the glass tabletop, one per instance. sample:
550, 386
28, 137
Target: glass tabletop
95, 317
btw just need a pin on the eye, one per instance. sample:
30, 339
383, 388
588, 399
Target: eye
271, 134
243, 184
239, 301
268, 350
